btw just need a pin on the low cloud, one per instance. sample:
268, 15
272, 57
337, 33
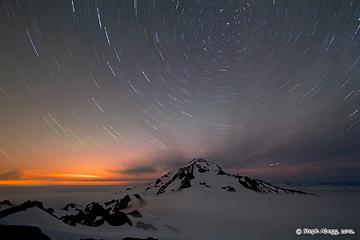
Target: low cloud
10, 175
137, 170
154, 164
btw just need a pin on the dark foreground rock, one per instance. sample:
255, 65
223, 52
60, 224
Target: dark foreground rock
23, 207
5, 202
17, 232
118, 204
96, 214
135, 214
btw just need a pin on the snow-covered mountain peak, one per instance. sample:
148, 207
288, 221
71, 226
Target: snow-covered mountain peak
200, 162
201, 165
201, 174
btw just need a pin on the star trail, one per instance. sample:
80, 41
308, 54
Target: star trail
109, 88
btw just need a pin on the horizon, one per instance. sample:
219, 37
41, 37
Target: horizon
86, 180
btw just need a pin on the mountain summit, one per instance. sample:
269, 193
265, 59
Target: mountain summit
200, 173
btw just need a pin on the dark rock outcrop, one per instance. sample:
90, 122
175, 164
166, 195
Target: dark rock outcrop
5, 202
96, 214
117, 219
23, 207
71, 205
138, 197
116, 204
18, 232
135, 214
229, 188
258, 185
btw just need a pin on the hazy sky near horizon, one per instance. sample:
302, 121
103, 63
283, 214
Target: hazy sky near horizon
123, 90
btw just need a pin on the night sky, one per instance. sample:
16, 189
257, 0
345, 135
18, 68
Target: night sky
125, 90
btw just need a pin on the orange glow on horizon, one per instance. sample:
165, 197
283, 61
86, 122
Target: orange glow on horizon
79, 169
49, 165
73, 175
57, 183
33, 177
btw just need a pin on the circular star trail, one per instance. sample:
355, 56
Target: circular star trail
139, 86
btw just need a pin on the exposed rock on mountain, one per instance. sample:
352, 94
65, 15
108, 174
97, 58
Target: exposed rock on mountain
202, 173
